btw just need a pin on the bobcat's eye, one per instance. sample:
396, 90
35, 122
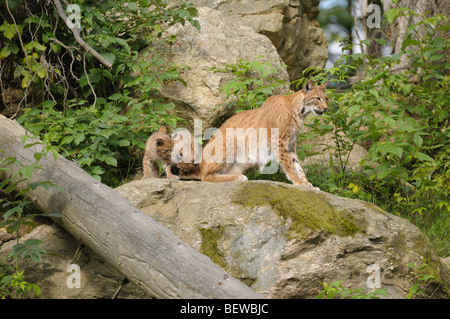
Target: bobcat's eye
319, 99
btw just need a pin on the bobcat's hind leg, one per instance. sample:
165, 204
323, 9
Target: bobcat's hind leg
224, 177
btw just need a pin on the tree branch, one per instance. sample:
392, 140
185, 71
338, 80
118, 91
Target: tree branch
78, 38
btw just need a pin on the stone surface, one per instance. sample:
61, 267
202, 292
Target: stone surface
220, 42
97, 279
291, 25
284, 240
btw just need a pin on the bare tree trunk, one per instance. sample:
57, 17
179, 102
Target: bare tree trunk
350, 29
374, 48
397, 31
145, 252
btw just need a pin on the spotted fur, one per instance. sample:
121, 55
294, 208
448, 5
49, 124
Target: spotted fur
158, 149
285, 112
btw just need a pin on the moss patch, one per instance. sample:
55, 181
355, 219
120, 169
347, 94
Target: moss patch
307, 210
210, 236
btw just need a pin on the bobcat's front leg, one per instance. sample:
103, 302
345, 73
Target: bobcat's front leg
151, 169
291, 165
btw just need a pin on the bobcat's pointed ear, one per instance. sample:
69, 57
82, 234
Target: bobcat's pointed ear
308, 86
325, 84
163, 128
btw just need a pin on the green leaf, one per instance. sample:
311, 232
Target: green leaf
123, 142
406, 89
426, 277
423, 157
418, 140
27, 171
374, 92
115, 96
397, 151
48, 104
436, 57
33, 242
38, 46
5, 52
17, 249
9, 30
353, 109
111, 161
97, 170
110, 57
392, 14
41, 72
132, 6
79, 138
36, 289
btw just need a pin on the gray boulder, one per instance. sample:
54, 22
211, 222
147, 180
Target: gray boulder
220, 42
56, 274
284, 240
291, 25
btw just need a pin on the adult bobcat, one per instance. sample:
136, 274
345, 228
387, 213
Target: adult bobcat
282, 114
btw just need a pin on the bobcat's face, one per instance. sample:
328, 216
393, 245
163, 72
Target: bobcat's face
315, 100
163, 146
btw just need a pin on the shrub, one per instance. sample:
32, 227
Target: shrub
100, 115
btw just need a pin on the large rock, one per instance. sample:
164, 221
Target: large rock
291, 25
220, 42
284, 240
98, 280
280, 239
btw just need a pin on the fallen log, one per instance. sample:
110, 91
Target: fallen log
144, 251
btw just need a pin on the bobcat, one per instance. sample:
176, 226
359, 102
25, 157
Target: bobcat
283, 112
159, 148
183, 164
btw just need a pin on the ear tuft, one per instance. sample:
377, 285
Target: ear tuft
163, 128
308, 86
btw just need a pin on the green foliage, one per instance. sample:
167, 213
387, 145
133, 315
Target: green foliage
101, 139
402, 119
98, 116
16, 214
251, 83
419, 279
15, 286
335, 290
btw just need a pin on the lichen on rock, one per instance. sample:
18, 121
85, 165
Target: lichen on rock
306, 210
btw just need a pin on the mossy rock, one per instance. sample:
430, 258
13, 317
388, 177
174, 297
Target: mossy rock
308, 211
210, 236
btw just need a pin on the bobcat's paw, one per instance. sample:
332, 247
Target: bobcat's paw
313, 187
243, 178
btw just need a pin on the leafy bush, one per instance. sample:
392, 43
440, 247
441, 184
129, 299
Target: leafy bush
251, 83
335, 290
402, 120
101, 116
17, 215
